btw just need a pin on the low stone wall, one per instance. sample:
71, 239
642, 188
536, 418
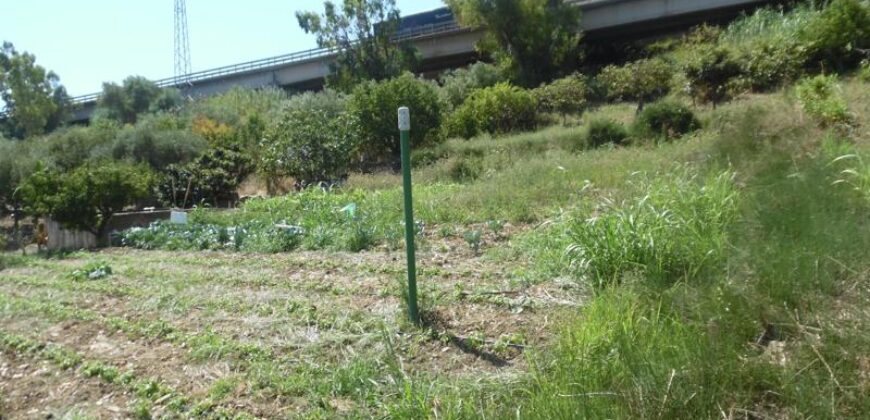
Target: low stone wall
66, 239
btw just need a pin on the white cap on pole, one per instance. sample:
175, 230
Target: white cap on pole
404, 119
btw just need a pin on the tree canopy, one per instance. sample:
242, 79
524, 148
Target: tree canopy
362, 32
537, 39
135, 96
34, 98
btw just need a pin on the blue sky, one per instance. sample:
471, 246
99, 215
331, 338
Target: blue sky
87, 42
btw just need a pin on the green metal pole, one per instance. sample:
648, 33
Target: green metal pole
410, 230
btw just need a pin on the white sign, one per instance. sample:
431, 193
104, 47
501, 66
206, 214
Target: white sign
178, 217
404, 119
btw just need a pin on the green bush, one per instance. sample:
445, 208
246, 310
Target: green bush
640, 81
211, 178
374, 105
602, 131
159, 141
310, 146
771, 63
457, 85
329, 101
710, 70
86, 198
665, 120
821, 98
839, 33
70, 148
496, 110
563, 96
864, 71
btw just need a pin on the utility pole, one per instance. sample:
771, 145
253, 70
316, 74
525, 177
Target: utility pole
181, 41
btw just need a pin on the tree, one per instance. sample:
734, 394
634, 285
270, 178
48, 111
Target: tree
374, 105
86, 198
640, 81
35, 100
361, 32
137, 95
564, 96
710, 71
537, 39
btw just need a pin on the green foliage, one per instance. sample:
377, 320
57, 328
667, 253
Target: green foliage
361, 31
496, 110
250, 237
212, 178
310, 145
676, 230
839, 33
710, 71
86, 198
72, 147
601, 131
458, 84
640, 81
135, 96
864, 71
665, 120
34, 100
564, 96
159, 141
237, 106
374, 105
91, 271
821, 98
538, 40
331, 102
17, 162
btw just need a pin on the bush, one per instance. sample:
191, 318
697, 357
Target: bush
839, 33
457, 85
310, 146
499, 109
159, 141
640, 81
765, 65
332, 102
667, 120
564, 96
86, 198
604, 131
374, 105
212, 178
821, 99
864, 71
70, 148
710, 71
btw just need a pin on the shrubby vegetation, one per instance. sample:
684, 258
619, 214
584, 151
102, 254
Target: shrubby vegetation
605, 131
137, 95
565, 96
496, 110
640, 81
666, 120
821, 99
458, 84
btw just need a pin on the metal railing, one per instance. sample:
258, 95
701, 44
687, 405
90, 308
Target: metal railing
265, 63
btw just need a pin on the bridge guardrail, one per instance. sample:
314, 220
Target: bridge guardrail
408, 34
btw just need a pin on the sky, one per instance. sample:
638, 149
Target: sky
88, 42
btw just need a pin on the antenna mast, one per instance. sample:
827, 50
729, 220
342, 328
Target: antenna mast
182, 42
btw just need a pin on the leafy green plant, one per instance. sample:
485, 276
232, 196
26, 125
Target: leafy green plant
92, 271
821, 99
864, 71
601, 131
458, 84
496, 110
159, 141
474, 239
665, 120
212, 178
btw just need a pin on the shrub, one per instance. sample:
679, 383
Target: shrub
86, 198
457, 85
603, 131
374, 106
212, 178
710, 70
770, 63
864, 71
564, 96
498, 109
839, 33
668, 120
821, 99
70, 148
310, 146
640, 81
332, 102
158, 141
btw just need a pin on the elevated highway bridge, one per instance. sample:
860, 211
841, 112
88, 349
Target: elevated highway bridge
444, 44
